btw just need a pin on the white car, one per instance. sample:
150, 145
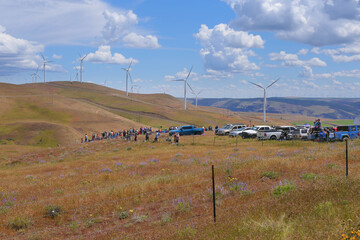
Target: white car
238, 132
252, 132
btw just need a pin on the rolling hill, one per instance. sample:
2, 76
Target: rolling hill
334, 108
48, 114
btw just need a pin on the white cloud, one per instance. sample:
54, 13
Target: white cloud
336, 82
225, 49
317, 23
308, 73
311, 84
139, 41
66, 22
182, 75
346, 53
118, 24
120, 27
57, 56
17, 54
303, 51
293, 60
104, 55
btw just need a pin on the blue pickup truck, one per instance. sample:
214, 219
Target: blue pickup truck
347, 132
187, 130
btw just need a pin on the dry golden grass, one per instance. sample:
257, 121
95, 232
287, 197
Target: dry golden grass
165, 190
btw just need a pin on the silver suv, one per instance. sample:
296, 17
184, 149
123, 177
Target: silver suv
229, 128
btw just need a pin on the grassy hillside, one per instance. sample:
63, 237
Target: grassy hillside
334, 108
62, 112
65, 111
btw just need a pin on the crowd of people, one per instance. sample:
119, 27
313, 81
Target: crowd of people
132, 135
126, 134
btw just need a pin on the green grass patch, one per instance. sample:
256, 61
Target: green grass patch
45, 139
31, 111
342, 122
283, 188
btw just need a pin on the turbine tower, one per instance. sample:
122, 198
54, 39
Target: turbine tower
185, 83
81, 65
196, 96
35, 75
44, 65
165, 89
265, 94
127, 70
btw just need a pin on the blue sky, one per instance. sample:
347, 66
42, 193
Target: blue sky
312, 45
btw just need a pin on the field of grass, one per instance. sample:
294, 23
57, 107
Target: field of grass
115, 189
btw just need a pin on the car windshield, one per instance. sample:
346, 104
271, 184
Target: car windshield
227, 127
241, 129
254, 128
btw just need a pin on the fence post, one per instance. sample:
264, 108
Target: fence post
214, 140
347, 158
236, 140
213, 183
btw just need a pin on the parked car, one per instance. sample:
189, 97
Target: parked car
225, 126
187, 130
300, 134
347, 132
269, 134
229, 128
252, 132
238, 132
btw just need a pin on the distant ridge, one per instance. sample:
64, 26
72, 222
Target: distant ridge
335, 108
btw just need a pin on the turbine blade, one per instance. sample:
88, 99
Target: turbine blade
189, 72
179, 80
199, 92
273, 83
130, 65
257, 85
190, 88
82, 59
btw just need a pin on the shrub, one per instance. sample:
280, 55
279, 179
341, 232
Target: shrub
283, 188
326, 208
182, 207
139, 218
309, 176
271, 175
19, 223
331, 165
53, 211
123, 215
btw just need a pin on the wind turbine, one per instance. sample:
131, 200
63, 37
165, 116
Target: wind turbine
81, 65
196, 96
165, 89
185, 83
35, 75
265, 94
44, 66
127, 77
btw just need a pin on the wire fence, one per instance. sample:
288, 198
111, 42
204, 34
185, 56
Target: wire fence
221, 179
155, 214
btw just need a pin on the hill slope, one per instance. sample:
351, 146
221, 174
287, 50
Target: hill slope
47, 114
335, 108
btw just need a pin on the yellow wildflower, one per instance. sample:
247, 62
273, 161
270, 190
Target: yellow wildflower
131, 210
